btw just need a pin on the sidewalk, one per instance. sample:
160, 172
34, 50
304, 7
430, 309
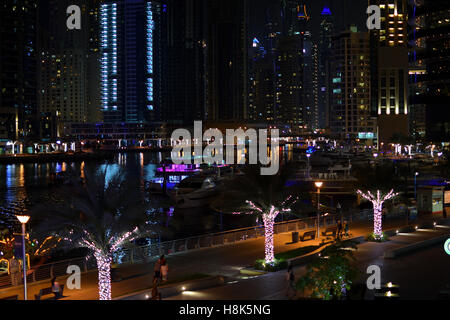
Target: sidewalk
225, 260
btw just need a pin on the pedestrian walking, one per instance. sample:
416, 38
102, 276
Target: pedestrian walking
339, 229
164, 270
290, 280
157, 268
14, 271
56, 288
346, 228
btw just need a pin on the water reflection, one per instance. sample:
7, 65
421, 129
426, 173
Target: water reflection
23, 184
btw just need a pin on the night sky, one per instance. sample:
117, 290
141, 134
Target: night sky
345, 12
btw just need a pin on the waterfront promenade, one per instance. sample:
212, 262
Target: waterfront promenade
226, 261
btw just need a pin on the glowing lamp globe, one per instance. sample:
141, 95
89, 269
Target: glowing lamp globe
318, 184
23, 219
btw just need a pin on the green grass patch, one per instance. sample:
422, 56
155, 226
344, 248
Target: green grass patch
371, 237
281, 259
277, 265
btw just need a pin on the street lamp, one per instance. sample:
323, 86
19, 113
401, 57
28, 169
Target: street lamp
415, 185
23, 220
308, 155
318, 185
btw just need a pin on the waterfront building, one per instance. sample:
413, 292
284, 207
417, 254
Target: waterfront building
429, 70
18, 54
324, 47
389, 68
130, 63
227, 46
350, 116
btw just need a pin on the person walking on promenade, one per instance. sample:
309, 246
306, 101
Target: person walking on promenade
164, 270
290, 280
339, 229
157, 268
346, 228
14, 270
56, 288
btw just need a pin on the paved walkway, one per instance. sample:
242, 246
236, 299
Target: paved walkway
420, 274
225, 260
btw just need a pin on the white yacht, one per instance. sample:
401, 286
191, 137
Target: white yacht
195, 191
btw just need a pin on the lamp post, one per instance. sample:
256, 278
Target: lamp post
318, 185
23, 220
308, 155
415, 185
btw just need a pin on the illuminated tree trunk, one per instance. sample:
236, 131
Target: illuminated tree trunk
377, 219
377, 203
104, 276
269, 221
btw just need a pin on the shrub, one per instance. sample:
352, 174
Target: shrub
373, 238
277, 265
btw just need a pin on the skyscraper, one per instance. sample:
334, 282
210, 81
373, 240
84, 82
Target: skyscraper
69, 80
130, 60
309, 89
186, 65
18, 54
227, 60
324, 47
290, 83
429, 74
390, 70
350, 116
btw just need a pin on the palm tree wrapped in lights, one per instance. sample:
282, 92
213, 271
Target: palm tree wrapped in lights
377, 208
265, 196
100, 214
268, 213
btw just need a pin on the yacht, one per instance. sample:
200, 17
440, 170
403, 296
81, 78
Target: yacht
195, 191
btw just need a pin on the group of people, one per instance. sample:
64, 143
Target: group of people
342, 228
161, 272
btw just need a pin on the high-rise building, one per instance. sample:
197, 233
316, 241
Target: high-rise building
290, 83
309, 89
324, 46
131, 68
390, 70
227, 44
186, 68
350, 116
429, 70
262, 95
69, 65
18, 54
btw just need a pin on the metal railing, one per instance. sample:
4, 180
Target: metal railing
144, 253
50, 270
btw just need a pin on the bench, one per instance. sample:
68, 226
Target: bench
15, 297
308, 234
47, 291
332, 230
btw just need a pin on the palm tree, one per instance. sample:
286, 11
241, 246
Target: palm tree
102, 213
263, 195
